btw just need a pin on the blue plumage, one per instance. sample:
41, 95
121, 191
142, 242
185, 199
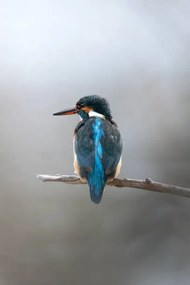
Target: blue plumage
97, 177
98, 147
97, 144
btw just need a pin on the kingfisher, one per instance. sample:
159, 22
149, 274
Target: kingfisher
97, 144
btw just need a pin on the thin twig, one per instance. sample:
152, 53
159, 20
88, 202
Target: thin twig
146, 184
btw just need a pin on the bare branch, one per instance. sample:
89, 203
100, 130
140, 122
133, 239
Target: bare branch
146, 184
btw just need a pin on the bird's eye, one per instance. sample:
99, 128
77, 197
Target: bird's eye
79, 106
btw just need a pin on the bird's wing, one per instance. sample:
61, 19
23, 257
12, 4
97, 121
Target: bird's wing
84, 146
112, 144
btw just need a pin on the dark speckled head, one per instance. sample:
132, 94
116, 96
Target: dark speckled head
97, 103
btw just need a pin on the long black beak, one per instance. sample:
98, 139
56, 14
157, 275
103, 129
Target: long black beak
69, 111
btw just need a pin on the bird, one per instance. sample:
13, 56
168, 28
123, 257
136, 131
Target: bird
97, 144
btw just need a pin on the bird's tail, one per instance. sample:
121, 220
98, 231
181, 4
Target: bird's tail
96, 186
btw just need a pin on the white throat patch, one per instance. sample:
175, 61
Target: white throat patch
95, 114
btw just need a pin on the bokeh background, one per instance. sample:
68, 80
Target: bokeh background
137, 55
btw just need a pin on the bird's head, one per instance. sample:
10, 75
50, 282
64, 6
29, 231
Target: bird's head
92, 105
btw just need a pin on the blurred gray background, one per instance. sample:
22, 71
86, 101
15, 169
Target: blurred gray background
137, 55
